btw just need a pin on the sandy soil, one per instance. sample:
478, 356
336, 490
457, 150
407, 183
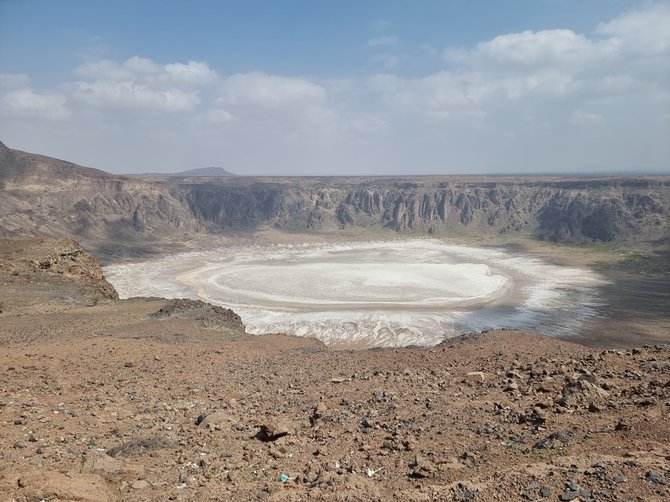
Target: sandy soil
100, 400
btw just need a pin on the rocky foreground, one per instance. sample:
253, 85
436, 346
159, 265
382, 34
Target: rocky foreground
150, 399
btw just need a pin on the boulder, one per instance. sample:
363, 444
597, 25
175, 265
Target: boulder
111, 469
47, 485
274, 429
583, 391
215, 420
420, 467
475, 376
142, 445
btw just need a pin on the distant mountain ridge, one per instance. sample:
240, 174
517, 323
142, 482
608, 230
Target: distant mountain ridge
201, 172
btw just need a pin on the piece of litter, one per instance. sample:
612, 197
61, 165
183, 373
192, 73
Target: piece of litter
285, 478
372, 472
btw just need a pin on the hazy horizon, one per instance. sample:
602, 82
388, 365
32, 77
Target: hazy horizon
526, 87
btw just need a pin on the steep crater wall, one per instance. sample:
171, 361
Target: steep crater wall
44, 196
552, 211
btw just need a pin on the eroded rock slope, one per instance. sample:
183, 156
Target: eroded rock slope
44, 196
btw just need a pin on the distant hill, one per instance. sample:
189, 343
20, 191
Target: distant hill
209, 172
17, 165
43, 196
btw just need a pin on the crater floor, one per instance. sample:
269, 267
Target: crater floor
366, 294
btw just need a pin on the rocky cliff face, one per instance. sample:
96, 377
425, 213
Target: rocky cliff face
43, 196
548, 210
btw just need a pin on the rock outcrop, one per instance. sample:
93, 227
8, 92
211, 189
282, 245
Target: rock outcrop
70, 260
205, 314
34, 257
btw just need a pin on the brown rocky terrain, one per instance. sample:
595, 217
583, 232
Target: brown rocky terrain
150, 399
44, 196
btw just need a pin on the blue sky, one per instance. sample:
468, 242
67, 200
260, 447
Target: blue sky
340, 87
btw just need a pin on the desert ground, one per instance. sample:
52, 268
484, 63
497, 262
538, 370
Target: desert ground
151, 399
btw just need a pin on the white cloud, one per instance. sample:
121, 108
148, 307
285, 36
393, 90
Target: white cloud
218, 116
528, 48
259, 89
274, 105
9, 81
549, 82
381, 25
42, 105
132, 94
628, 57
142, 66
391, 62
429, 49
512, 67
583, 118
104, 69
194, 72
142, 83
146, 71
644, 31
367, 124
388, 61
383, 41
433, 94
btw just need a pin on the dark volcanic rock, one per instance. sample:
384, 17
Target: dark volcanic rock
553, 439
208, 315
142, 445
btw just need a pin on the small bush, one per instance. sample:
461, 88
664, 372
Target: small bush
95, 299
